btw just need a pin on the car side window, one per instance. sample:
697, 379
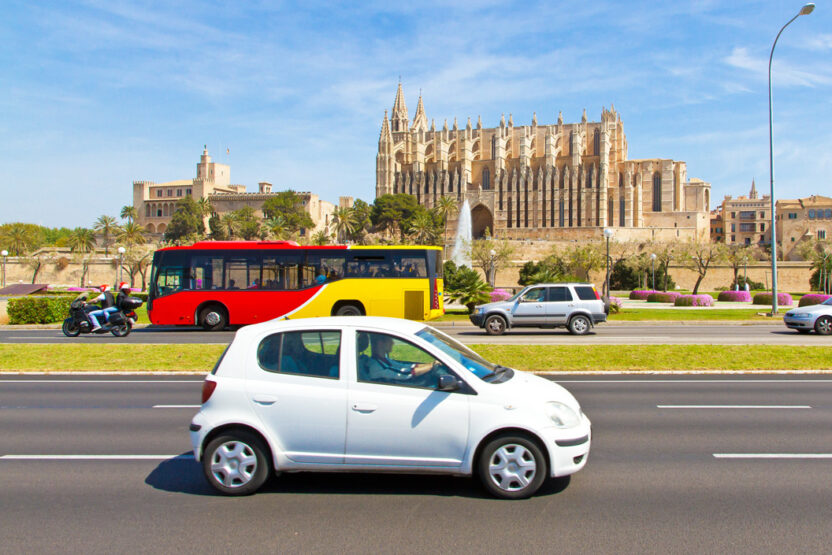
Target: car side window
559, 294
305, 353
586, 293
536, 295
386, 359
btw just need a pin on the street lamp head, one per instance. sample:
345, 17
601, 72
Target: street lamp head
122, 250
608, 232
807, 9
493, 252
4, 253
653, 256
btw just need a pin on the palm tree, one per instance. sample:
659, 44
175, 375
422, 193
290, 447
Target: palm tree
277, 226
131, 234
81, 240
343, 222
423, 229
320, 238
231, 224
17, 238
128, 213
106, 226
446, 208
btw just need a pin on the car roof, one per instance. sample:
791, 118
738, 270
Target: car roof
567, 283
373, 322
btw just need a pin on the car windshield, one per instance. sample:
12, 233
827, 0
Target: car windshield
474, 363
828, 301
516, 295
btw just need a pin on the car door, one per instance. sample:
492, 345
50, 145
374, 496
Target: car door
530, 309
396, 420
295, 387
559, 304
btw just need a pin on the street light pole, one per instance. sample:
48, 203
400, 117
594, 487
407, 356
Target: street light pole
608, 233
121, 251
5, 253
805, 10
653, 267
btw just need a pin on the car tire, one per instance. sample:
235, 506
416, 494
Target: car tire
70, 328
213, 318
579, 325
349, 310
824, 325
512, 467
235, 463
495, 325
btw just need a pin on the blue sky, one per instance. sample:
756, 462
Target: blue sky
98, 94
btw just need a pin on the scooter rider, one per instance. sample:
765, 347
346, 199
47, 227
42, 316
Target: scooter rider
123, 293
108, 305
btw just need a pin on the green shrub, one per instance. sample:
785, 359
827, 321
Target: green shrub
663, 297
38, 309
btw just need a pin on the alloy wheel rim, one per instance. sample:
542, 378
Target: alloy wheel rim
580, 325
233, 464
512, 467
495, 324
825, 325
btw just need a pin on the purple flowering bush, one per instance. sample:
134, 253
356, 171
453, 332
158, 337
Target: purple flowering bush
615, 305
498, 295
812, 298
641, 294
663, 297
694, 300
783, 299
734, 297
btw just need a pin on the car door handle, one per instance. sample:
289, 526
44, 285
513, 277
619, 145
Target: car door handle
364, 407
265, 399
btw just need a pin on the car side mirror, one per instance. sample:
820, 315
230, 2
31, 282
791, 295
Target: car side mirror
449, 383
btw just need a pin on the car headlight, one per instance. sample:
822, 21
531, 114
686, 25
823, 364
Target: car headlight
480, 310
800, 316
562, 415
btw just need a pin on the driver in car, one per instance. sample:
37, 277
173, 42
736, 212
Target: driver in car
381, 368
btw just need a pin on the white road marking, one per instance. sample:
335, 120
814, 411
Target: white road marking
93, 457
733, 406
176, 406
773, 455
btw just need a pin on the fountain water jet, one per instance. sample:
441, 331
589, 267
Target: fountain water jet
462, 242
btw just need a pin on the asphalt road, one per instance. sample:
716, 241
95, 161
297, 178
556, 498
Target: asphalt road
657, 479
605, 334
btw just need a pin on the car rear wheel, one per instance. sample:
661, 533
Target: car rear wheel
512, 467
349, 310
824, 325
235, 463
579, 325
495, 325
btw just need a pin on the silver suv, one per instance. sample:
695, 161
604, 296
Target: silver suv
576, 306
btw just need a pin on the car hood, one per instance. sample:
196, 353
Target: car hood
493, 306
811, 309
526, 388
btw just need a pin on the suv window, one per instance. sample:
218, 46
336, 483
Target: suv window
558, 294
537, 295
305, 353
586, 293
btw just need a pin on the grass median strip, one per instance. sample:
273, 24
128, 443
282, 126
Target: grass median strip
201, 358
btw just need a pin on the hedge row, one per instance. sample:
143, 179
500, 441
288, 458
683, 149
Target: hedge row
663, 297
812, 298
783, 299
39, 309
734, 296
695, 300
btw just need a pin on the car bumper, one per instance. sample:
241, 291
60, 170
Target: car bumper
598, 318
477, 319
198, 430
796, 324
568, 449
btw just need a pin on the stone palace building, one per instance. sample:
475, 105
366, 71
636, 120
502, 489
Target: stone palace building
552, 182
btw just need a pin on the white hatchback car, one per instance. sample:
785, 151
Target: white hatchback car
379, 394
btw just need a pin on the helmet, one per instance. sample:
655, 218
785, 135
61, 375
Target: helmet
123, 286
103, 288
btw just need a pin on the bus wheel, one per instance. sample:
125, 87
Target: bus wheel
349, 310
213, 318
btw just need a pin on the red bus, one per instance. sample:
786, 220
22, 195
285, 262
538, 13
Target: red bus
218, 283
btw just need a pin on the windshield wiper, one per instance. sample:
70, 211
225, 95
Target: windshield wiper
499, 371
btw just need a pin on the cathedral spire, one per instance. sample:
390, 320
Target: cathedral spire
583, 117
510, 121
420, 120
479, 122
534, 119
753, 193
399, 116
385, 135
560, 118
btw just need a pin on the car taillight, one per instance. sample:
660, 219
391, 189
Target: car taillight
208, 388
597, 296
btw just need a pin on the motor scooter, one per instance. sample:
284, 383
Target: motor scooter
119, 323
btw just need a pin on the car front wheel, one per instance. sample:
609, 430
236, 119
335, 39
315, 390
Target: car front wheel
495, 325
512, 467
236, 463
824, 325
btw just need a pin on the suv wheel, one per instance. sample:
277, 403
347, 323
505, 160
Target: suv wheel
512, 467
235, 463
579, 325
495, 325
